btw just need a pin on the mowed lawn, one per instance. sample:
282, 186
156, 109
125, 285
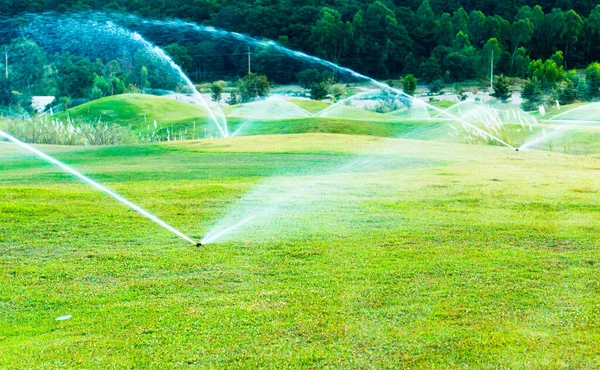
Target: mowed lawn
419, 254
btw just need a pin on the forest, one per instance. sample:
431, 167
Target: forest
436, 41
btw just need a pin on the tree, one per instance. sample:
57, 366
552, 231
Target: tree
436, 86
558, 58
490, 49
592, 80
410, 64
573, 27
118, 86
383, 39
520, 33
180, 55
501, 89
253, 86
565, 92
409, 85
337, 92
331, 35
319, 91
311, 76
144, 82
26, 61
444, 30
460, 20
592, 33
531, 95
100, 88
216, 91
5, 91
427, 24
74, 75
476, 27
548, 73
430, 70
520, 63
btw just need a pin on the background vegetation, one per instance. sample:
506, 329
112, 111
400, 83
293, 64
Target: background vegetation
437, 41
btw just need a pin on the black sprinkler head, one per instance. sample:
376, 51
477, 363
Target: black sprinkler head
199, 244
517, 149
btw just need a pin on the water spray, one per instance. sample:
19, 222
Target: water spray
301, 55
97, 186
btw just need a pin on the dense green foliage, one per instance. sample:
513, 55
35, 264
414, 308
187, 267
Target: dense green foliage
429, 38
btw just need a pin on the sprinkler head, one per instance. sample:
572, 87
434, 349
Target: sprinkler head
517, 149
199, 244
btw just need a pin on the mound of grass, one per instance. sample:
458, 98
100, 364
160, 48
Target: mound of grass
137, 110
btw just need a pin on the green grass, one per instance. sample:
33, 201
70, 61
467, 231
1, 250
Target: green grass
442, 104
433, 255
138, 110
312, 106
266, 117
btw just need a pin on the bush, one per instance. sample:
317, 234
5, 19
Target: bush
319, 91
532, 95
252, 87
409, 85
592, 79
501, 89
565, 92
436, 86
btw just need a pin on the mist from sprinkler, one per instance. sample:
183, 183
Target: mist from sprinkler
222, 125
224, 34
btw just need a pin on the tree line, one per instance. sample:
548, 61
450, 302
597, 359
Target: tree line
439, 42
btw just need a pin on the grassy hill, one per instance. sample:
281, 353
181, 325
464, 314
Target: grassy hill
137, 110
276, 116
390, 253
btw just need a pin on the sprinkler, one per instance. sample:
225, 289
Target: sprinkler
199, 244
517, 149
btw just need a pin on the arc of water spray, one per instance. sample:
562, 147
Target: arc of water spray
97, 186
301, 55
161, 54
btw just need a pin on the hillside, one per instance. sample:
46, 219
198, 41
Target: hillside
137, 109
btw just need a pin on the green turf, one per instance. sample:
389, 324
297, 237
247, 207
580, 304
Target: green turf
426, 255
138, 110
312, 106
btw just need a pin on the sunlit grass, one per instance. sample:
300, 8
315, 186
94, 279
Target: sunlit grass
442, 255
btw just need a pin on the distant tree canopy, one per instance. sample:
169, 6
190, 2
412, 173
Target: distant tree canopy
441, 41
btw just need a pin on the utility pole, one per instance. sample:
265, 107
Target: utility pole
6, 60
249, 61
492, 73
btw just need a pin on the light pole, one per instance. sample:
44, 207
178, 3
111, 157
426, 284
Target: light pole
492, 73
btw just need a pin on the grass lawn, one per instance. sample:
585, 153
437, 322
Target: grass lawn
313, 106
137, 110
420, 254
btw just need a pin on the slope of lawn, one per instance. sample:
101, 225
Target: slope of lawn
137, 110
182, 120
390, 254
312, 106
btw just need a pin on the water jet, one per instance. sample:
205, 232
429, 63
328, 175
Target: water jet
95, 185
